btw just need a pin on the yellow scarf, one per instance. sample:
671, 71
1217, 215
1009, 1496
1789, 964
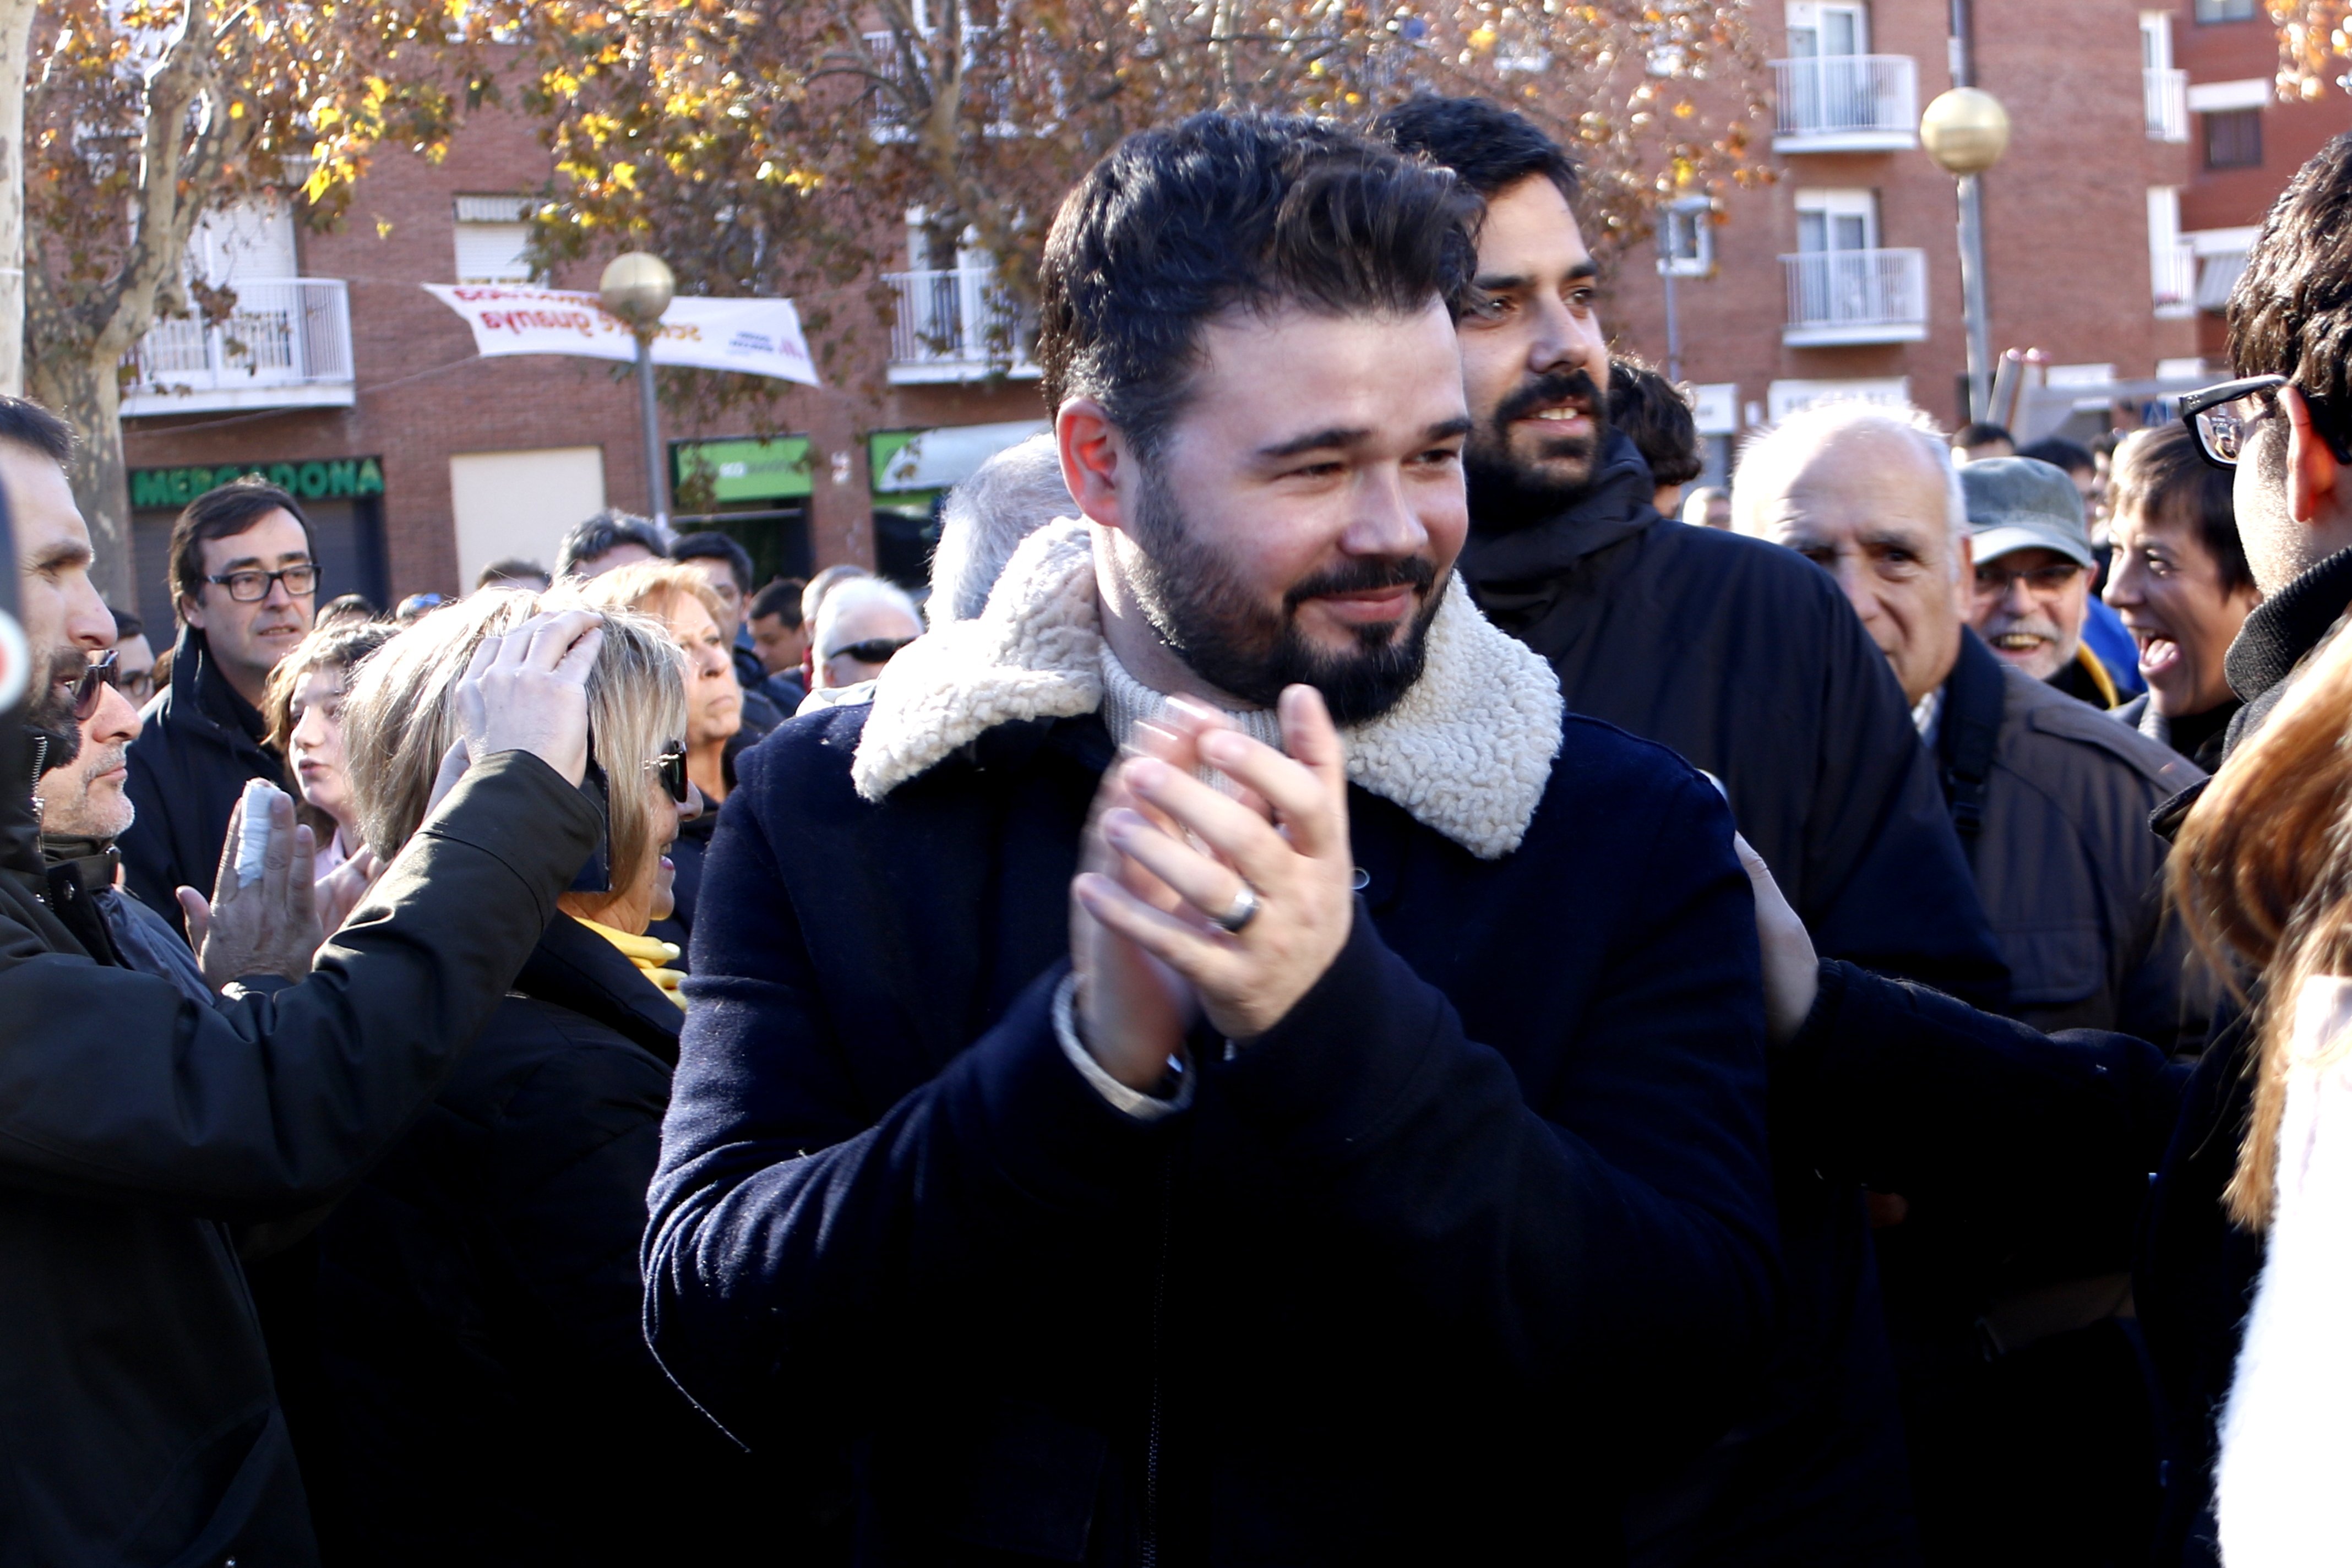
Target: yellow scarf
650, 954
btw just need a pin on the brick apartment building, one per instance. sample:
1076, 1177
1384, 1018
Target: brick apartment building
418, 462
2144, 142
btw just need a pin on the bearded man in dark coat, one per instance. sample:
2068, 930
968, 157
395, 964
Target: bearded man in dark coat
1211, 1063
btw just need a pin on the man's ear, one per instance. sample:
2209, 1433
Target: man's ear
2314, 475
1964, 579
1096, 464
191, 611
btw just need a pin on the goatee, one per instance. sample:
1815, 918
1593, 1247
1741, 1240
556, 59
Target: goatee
1212, 621
1504, 492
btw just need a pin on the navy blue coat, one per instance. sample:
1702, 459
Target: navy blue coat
1482, 1228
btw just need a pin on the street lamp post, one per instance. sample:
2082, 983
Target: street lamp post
1966, 131
637, 286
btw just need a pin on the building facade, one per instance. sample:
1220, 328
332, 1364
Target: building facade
340, 378
2107, 225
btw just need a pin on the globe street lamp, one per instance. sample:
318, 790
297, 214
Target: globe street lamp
637, 286
1966, 131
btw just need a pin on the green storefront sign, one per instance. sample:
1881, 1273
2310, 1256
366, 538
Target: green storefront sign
748, 470
316, 480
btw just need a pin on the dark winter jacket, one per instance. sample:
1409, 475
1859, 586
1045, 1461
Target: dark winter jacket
1745, 658
137, 1126
198, 743
479, 1300
2053, 813
2199, 737
1916, 1092
1419, 1275
124, 931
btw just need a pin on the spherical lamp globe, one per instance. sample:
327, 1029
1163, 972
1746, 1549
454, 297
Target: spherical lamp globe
1966, 131
636, 287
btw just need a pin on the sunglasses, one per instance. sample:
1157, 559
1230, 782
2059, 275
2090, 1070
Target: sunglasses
874, 650
670, 768
2219, 416
94, 681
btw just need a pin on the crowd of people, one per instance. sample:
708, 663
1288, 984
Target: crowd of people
1368, 973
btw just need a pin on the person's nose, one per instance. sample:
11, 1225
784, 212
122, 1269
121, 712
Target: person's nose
1853, 582
1566, 340
694, 804
116, 722
89, 623
2123, 587
1386, 522
2016, 598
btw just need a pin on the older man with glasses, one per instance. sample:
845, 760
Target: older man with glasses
860, 627
245, 578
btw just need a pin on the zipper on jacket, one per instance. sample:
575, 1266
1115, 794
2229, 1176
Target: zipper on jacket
1149, 1555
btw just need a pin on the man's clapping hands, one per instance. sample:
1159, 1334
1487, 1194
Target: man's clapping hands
1166, 858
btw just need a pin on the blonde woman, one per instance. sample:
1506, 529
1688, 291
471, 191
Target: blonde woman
480, 1292
304, 706
2264, 868
682, 599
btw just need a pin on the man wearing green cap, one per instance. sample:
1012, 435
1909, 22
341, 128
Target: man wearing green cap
2033, 573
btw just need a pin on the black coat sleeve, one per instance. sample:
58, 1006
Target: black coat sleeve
115, 1087
1885, 883
1908, 1090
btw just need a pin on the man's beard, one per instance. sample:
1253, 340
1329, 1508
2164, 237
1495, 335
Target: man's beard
1504, 492
1214, 621
49, 707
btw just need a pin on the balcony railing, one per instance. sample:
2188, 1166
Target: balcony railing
888, 114
287, 344
1846, 103
957, 324
2166, 93
2172, 278
1855, 297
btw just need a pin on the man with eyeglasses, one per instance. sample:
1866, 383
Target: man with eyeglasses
2033, 573
134, 659
243, 580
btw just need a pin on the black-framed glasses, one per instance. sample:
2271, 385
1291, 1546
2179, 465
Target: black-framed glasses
2043, 581
250, 588
94, 681
872, 650
670, 768
2219, 416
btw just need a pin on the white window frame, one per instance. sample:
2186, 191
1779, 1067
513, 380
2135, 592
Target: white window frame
486, 224
1834, 203
1810, 15
1686, 237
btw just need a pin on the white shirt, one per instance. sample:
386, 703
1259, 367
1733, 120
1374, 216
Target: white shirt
2283, 1487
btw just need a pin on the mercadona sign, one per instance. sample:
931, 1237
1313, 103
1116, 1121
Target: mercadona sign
316, 480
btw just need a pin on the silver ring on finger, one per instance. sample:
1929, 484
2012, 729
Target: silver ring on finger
1240, 912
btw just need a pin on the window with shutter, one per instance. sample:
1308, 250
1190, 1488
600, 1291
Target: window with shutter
492, 237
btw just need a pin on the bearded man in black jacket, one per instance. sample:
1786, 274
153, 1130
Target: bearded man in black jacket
1753, 668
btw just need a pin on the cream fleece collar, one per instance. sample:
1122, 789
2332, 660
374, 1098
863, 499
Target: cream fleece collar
1468, 752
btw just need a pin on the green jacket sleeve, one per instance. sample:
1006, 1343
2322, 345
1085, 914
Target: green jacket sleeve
112, 1087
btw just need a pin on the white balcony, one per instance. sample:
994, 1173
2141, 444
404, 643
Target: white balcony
886, 116
2172, 280
957, 324
1840, 297
2165, 95
287, 344
1846, 103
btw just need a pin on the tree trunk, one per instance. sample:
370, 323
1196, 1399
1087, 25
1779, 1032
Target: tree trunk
86, 388
15, 40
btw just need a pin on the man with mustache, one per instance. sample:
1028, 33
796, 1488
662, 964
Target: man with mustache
1127, 1122
1749, 662
2033, 571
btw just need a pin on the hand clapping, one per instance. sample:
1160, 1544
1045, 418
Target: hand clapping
1192, 898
